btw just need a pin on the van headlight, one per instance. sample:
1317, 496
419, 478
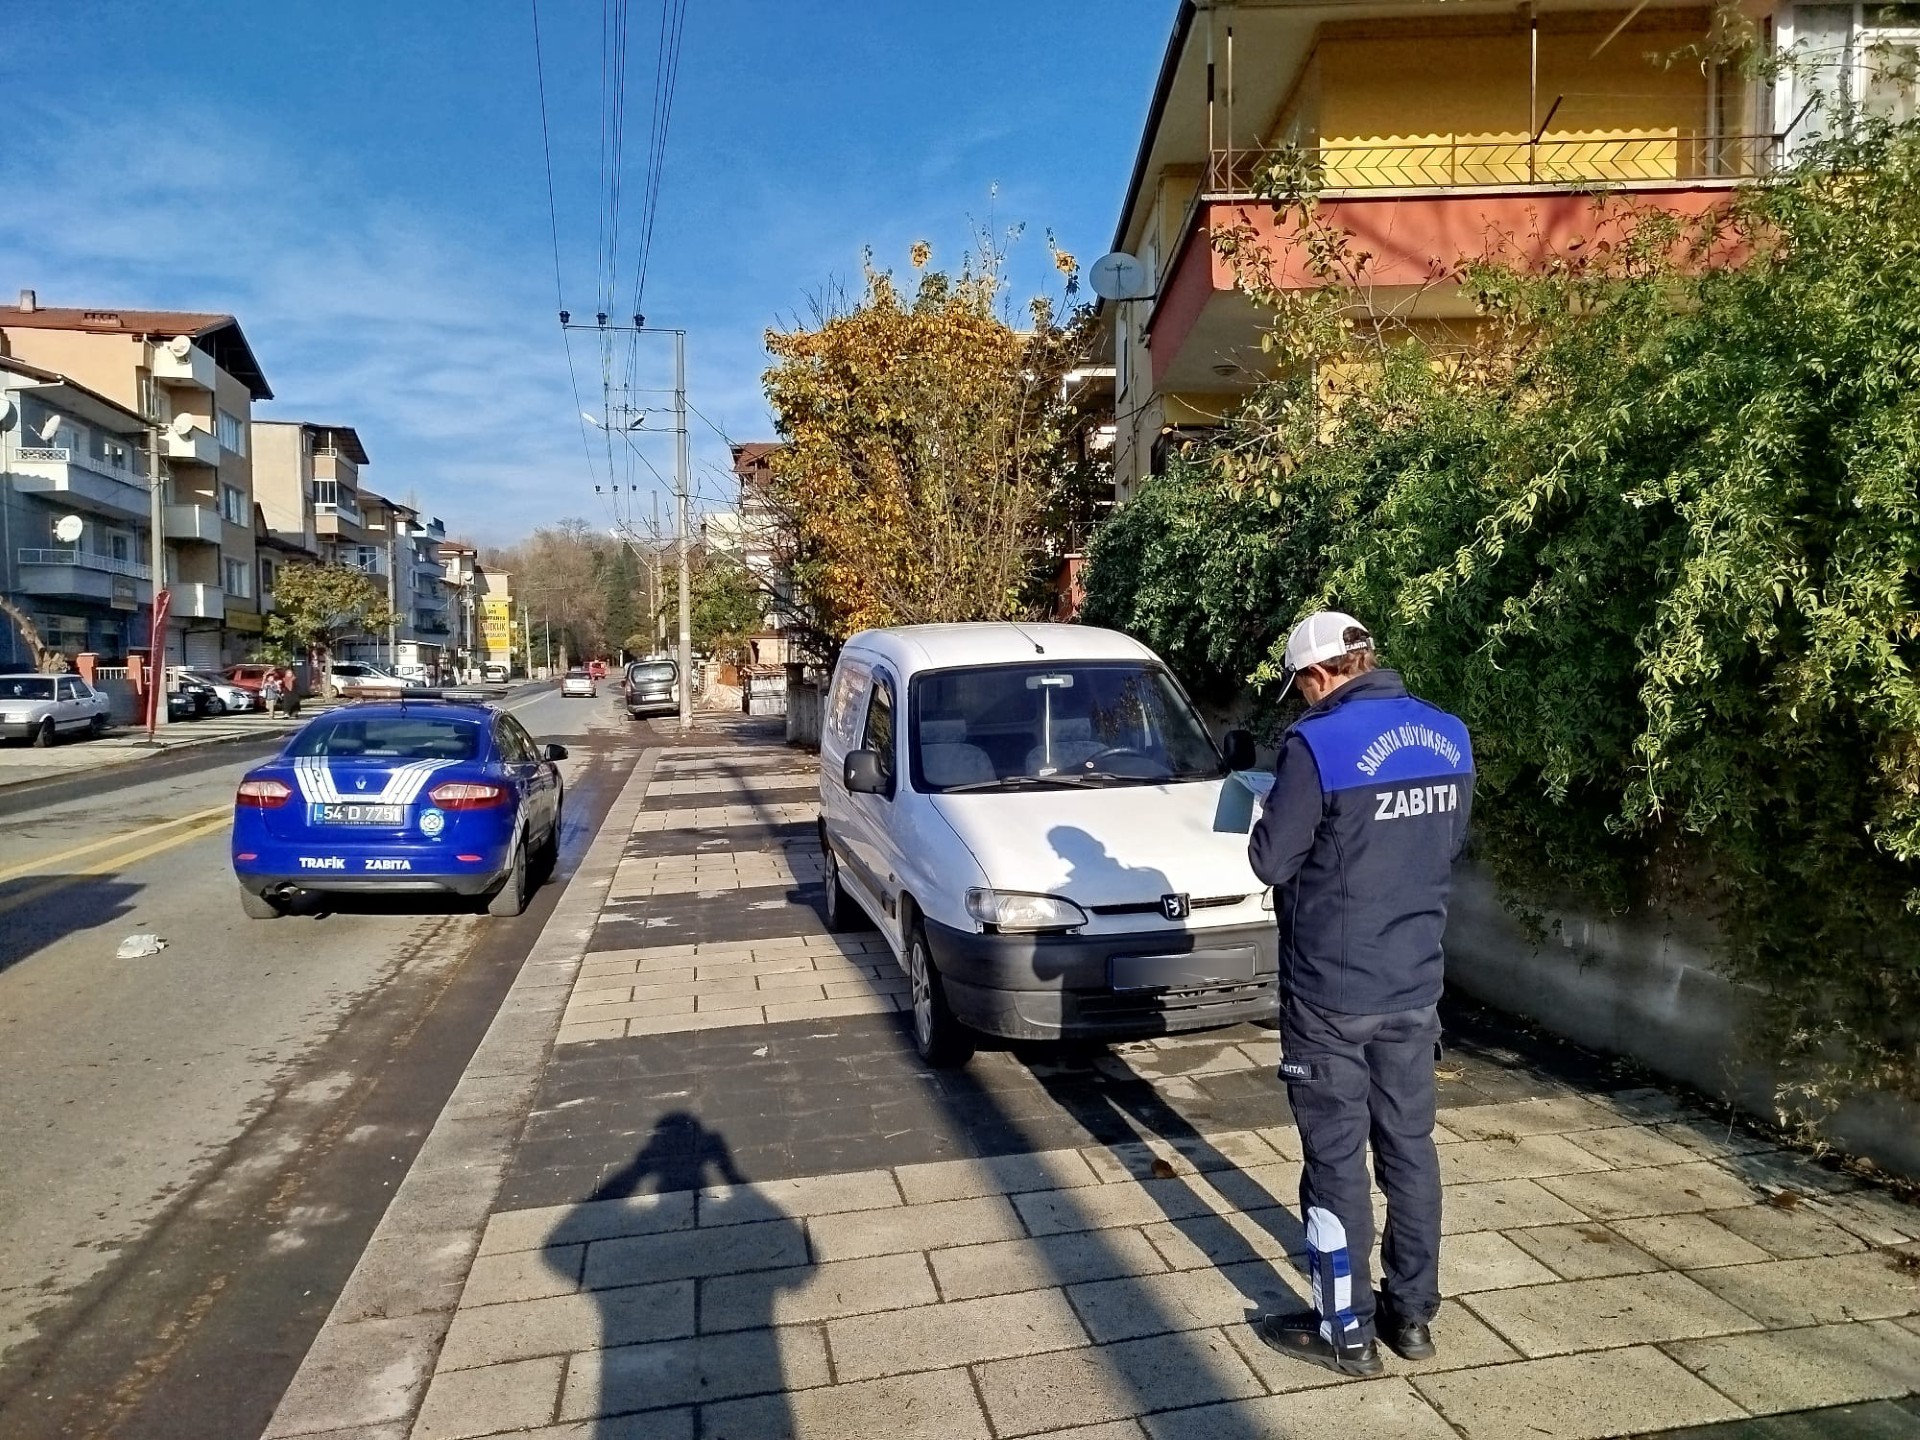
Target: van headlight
1011, 910
1266, 899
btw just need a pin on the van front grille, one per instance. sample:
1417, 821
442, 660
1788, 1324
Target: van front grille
1152, 907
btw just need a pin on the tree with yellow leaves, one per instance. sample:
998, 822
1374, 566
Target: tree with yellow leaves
926, 435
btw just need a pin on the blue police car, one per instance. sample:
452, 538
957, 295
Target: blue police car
430, 793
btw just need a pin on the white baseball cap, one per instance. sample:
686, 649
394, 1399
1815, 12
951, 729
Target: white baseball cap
1321, 637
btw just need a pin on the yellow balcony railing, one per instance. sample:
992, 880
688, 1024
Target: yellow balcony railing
1561, 162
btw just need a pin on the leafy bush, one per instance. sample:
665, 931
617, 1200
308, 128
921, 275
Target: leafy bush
1652, 529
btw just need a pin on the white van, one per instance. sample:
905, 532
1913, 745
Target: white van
1037, 820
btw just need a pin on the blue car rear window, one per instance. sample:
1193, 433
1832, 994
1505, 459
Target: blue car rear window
395, 737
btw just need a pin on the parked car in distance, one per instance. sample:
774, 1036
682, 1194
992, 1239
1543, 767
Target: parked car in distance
189, 698
250, 677
578, 683
41, 708
1040, 825
347, 678
229, 698
494, 673
653, 688
597, 669
428, 795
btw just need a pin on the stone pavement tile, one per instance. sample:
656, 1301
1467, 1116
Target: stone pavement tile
1145, 1159
461, 1403
1713, 1139
1617, 1310
1487, 1260
1628, 1147
599, 1010
815, 1292
1521, 1158
1111, 1430
1582, 1251
681, 1255
1501, 1205
961, 1332
1783, 1293
592, 1220
759, 996
590, 1030
1656, 1190
809, 1195
369, 1372
1377, 1409
681, 1024
913, 1227
994, 1175
1285, 1140
1874, 1216
1053, 1212
1689, 1242
523, 1275
1645, 1104
563, 1324
1800, 1369
1268, 1234
1006, 1266
679, 1372
407, 1275
1041, 1393
1795, 1233
1576, 1397
830, 1009
653, 1425
932, 1405
1127, 1309
1553, 1115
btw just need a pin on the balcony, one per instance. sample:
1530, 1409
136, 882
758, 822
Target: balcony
196, 447
430, 625
193, 601
80, 575
337, 522
1451, 164
193, 371
84, 481
195, 524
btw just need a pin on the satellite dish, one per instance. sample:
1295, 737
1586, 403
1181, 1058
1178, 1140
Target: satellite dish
1119, 276
7, 413
67, 529
180, 346
182, 426
50, 428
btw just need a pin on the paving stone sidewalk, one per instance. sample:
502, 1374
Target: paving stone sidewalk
739, 1208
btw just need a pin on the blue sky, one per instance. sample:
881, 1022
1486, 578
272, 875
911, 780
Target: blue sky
361, 182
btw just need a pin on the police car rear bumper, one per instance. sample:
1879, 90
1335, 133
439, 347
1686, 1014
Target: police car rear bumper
329, 883
1053, 987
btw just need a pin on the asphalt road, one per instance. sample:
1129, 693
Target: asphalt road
197, 1143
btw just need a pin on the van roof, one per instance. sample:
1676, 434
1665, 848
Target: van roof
939, 647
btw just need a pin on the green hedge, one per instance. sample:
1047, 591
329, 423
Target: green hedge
1655, 537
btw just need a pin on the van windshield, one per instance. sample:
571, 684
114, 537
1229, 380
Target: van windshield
653, 672
1008, 727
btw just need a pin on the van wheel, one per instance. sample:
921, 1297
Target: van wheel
941, 1040
511, 898
843, 911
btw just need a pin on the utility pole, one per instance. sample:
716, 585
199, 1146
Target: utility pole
393, 590
157, 558
680, 496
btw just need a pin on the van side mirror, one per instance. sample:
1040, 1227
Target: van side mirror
556, 752
1237, 747
863, 775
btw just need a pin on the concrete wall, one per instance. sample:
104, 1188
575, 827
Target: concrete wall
1648, 992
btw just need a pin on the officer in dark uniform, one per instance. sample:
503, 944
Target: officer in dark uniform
1367, 813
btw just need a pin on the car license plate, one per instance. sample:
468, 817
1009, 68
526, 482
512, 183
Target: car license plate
349, 814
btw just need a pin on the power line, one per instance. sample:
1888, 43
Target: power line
546, 148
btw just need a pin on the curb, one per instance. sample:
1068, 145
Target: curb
368, 1367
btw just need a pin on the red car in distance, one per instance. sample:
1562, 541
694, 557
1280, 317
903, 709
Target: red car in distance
597, 669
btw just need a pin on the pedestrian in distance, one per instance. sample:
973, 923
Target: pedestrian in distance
270, 693
1368, 811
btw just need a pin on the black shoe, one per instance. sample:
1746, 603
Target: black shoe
1409, 1339
1299, 1336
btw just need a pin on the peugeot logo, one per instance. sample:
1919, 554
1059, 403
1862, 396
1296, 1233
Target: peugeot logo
1175, 907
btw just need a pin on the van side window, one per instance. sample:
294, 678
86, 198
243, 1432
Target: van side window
879, 733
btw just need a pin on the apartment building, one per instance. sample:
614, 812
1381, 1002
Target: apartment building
480, 604
308, 477
402, 548
75, 537
191, 377
1435, 131
754, 538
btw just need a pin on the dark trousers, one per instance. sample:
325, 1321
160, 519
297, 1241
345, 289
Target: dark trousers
1355, 1079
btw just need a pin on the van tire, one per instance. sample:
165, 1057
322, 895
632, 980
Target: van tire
938, 1036
843, 911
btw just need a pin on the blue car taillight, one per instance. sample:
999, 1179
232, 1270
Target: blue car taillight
468, 795
262, 794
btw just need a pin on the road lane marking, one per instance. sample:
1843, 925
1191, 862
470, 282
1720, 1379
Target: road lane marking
33, 867
115, 863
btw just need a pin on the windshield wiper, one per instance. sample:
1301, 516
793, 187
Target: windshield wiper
1006, 782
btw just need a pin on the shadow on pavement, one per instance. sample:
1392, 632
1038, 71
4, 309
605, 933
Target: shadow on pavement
637, 1278
41, 910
